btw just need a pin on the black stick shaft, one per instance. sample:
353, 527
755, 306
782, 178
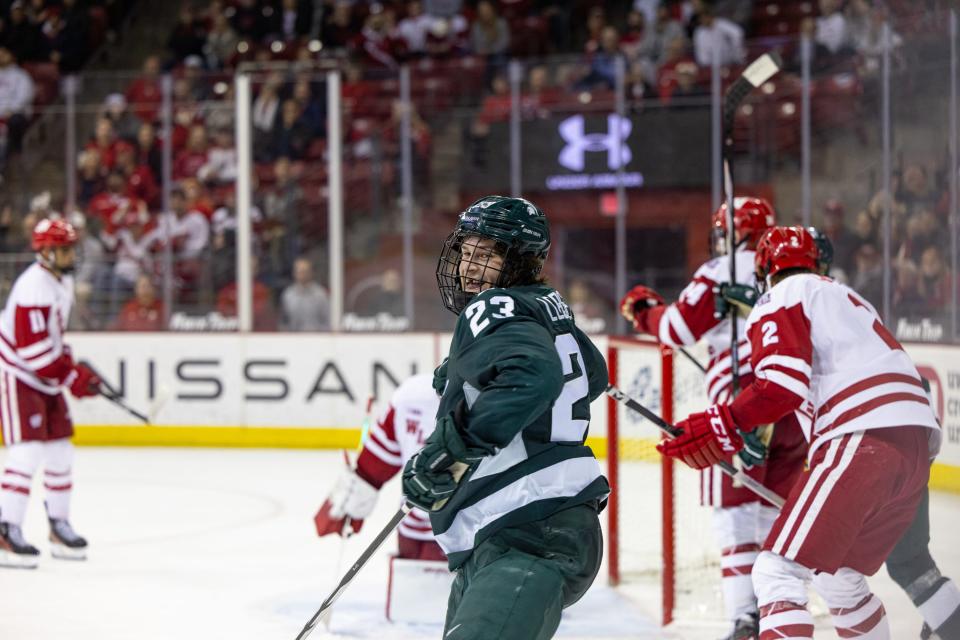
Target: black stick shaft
120, 403
689, 356
353, 571
674, 431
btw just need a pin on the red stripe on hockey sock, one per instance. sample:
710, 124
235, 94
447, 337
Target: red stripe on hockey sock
11, 487
61, 487
741, 548
14, 472
57, 474
788, 631
779, 607
856, 607
864, 627
736, 572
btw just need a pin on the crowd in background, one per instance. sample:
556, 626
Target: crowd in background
459, 50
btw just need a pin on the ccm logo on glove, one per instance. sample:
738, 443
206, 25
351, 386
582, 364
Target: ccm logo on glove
720, 430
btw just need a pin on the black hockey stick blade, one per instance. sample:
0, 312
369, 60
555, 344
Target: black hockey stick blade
324, 609
758, 72
673, 431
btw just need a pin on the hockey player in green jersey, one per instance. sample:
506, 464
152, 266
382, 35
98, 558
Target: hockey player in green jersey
520, 526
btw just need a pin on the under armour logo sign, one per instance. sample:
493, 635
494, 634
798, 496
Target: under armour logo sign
578, 142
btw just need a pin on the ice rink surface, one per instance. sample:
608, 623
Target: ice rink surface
219, 544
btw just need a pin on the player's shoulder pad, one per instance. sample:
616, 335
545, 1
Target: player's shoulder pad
36, 287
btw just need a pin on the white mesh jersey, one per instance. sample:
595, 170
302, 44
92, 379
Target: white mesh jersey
399, 433
814, 338
692, 317
32, 325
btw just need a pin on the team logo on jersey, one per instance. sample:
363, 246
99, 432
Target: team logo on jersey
614, 142
36, 420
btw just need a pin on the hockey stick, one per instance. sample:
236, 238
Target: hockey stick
673, 431
458, 471
759, 71
353, 571
115, 399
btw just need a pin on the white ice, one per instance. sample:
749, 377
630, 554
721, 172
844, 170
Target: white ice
219, 544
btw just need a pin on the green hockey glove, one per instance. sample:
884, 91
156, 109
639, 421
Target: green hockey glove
754, 452
738, 296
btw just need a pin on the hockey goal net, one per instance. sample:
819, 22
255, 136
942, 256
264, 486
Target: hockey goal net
660, 546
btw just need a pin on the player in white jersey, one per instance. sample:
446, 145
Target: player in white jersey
871, 438
740, 521
35, 365
398, 434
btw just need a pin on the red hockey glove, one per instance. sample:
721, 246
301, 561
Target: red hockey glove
82, 381
636, 301
707, 438
350, 502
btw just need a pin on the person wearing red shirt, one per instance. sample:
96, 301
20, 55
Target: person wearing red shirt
144, 95
264, 312
144, 312
140, 181
105, 142
194, 156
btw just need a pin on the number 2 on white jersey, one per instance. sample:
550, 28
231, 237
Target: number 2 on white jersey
571, 410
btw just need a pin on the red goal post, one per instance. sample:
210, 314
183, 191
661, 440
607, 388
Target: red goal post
669, 562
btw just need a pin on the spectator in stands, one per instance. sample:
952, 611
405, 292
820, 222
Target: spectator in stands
187, 37
540, 94
375, 45
144, 312
149, 151
104, 141
844, 243
72, 45
413, 29
490, 36
292, 21
22, 37
111, 207
221, 44
917, 191
264, 313
187, 231
831, 28
865, 26
687, 92
495, 108
935, 281
716, 36
291, 135
197, 197
657, 35
264, 113
221, 164
91, 179
144, 95
194, 156
448, 37
16, 99
312, 111
596, 22
381, 293
339, 26
92, 268
305, 305
114, 109
602, 72
285, 226
140, 181
632, 38
135, 245
248, 20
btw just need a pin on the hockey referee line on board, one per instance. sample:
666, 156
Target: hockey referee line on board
673, 431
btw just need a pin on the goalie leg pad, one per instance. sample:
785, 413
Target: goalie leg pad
417, 590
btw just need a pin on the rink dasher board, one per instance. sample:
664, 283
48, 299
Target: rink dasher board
310, 390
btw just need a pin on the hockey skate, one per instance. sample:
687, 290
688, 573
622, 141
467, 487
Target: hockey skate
16, 552
65, 544
745, 628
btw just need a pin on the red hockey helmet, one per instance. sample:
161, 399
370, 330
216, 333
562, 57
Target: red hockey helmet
53, 233
785, 248
751, 217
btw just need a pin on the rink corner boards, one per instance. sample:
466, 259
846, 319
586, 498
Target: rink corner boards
943, 477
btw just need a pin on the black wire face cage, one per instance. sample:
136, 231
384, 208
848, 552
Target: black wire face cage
449, 280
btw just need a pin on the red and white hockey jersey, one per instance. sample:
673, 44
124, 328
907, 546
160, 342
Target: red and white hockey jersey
691, 318
31, 329
398, 434
814, 338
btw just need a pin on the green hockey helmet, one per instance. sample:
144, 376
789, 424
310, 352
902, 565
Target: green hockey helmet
520, 235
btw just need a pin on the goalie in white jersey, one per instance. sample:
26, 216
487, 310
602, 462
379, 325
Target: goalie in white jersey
872, 436
35, 365
398, 434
